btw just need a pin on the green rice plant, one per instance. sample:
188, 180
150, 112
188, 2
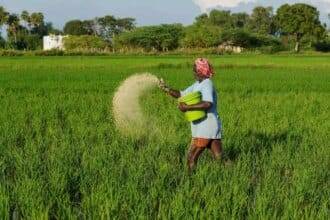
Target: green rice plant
62, 157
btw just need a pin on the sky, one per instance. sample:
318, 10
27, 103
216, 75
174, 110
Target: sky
146, 12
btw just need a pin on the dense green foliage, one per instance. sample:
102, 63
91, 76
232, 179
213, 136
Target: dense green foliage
2, 42
85, 42
62, 158
201, 36
75, 27
248, 40
263, 29
161, 37
262, 21
105, 27
299, 20
25, 31
111, 26
323, 46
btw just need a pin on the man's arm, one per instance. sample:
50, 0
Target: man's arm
174, 93
200, 106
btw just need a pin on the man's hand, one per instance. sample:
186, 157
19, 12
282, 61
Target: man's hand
162, 85
183, 107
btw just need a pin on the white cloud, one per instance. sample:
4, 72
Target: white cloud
205, 5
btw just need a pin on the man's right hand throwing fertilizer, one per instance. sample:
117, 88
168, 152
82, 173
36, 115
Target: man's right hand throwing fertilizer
162, 85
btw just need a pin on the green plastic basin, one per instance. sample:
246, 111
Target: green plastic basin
191, 99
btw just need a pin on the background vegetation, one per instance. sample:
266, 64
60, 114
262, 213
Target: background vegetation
291, 27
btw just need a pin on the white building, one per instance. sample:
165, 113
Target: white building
230, 47
52, 42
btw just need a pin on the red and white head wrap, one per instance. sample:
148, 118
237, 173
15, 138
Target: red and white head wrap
203, 67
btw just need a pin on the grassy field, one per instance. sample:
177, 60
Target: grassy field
61, 156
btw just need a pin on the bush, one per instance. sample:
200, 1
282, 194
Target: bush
201, 36
25, 41
11, 53
269, 44
33, 42
85, 42
151, 38
48, 53
248, 40
2, 42
240, 38
322, 46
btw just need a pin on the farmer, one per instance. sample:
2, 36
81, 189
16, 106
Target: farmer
206, 132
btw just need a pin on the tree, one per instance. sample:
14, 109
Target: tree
36, 19
125, 24
111, 26
107, 26
17, 34
49, 29
44, 29
299, 20
202, 19
262, 21
3, 16
13, 26
201, 36
329, 20
25, 16
91, 27
75, 27
240, 20
35, 23
161, 37
84, 42
2, 42
222, 19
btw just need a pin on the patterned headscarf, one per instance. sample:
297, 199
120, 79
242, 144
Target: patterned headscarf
203, 67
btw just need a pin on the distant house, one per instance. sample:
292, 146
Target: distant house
230, 47
53, 42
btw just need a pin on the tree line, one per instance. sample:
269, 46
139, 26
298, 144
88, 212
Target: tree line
290, 27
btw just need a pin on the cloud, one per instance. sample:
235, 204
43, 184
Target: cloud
206, 5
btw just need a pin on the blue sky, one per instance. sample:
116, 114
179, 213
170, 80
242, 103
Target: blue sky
146, 12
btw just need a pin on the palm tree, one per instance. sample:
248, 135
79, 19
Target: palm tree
36, 19
3, 16
25, 16
13, 25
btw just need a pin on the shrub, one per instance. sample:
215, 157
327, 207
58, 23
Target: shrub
248, 40
151, 38
322, 46
49, 53
201, 36
85, 42
240, 38
11, 53
2, 42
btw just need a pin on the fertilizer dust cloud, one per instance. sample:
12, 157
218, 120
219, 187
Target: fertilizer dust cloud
127, 111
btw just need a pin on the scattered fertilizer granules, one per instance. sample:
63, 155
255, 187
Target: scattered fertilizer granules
127, 112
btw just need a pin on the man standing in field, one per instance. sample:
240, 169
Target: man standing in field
206, 132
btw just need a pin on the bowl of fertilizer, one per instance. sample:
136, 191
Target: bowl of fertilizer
192, 99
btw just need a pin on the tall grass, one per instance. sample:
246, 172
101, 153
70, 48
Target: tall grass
62, 157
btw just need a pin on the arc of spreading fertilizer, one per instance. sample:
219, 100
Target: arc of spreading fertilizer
127, 111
